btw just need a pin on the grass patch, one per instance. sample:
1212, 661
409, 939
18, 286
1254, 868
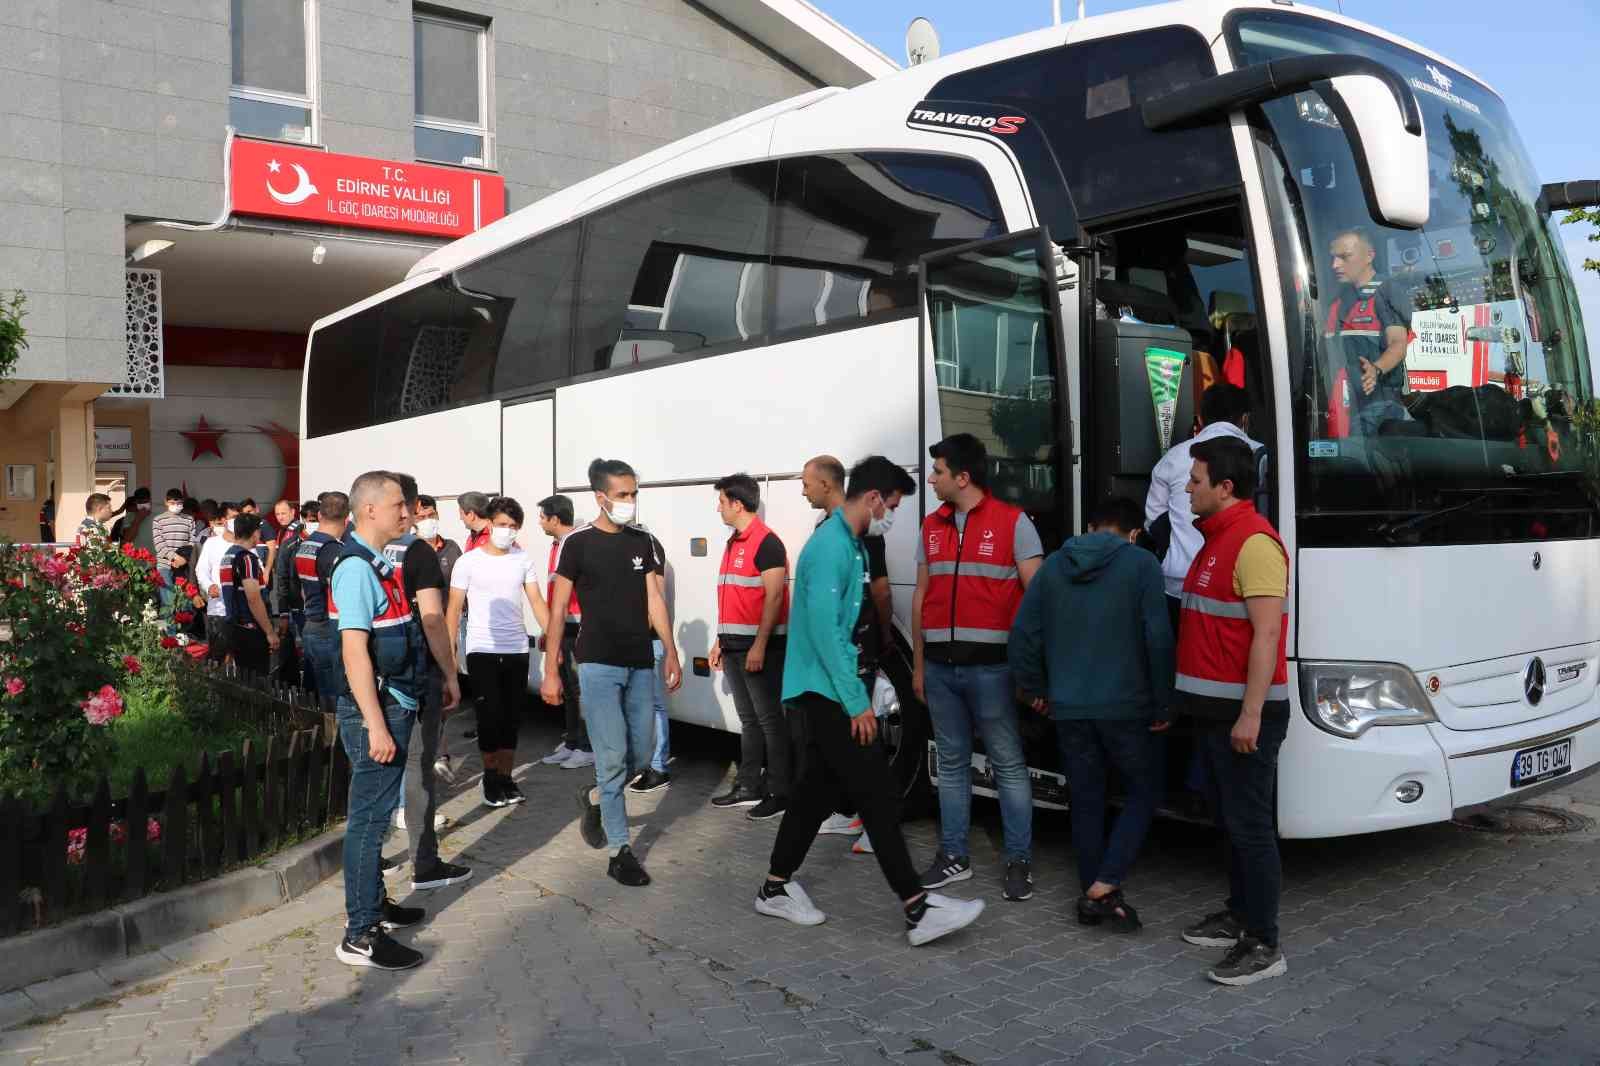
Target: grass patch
154, 734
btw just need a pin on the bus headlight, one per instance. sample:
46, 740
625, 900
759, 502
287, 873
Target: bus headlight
1347, 699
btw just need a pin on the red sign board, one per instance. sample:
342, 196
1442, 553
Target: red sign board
285, 181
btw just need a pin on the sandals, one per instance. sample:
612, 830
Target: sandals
1112, 910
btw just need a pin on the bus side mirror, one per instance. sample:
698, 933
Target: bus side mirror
1376, 109
1562, 195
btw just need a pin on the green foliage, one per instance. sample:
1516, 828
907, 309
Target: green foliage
13, 337
1022, 424
1590, 215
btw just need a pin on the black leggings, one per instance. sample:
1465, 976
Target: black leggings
500, 687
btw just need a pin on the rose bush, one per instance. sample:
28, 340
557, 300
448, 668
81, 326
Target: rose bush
77, 629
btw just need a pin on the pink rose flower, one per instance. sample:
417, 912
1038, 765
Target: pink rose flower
15, 686
102, 706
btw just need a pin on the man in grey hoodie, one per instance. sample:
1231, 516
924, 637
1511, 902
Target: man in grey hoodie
1093, 647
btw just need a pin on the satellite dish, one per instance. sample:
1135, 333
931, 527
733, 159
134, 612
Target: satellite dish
922, 42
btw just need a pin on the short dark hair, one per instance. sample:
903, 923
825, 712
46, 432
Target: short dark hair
830, 468
1118, 513
874, 474
408, 487
308, 510
507, 506
333, 507
964, 454
246, 526
560, 508
741, 489
905, 484
601, 471
210, 504
424, 500
1228, 459
1224, 402
474, 503
175, 494
248, 501
225, 506
191, 505
141, 493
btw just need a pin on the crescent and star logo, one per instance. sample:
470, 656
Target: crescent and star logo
1533, 682
302, 191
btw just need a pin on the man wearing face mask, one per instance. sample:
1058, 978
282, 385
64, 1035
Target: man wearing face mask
172, 532
207, 576
609, 564
488, 586
820, 682
975, 557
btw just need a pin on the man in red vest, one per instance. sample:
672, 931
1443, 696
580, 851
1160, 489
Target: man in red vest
1233, 681
752, 623
975, 557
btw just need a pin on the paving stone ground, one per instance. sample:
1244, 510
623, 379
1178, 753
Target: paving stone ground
1432, 945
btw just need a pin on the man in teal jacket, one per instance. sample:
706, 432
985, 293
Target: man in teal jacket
1092, 644
842, 762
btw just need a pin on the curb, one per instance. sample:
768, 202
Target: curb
129, 930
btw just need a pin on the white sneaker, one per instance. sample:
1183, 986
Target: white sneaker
559, 756
445, 772
399, 818
840, 825
863, 845
944, 915
577, 760
793, 905
439, 820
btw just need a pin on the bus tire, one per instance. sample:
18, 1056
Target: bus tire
908, 754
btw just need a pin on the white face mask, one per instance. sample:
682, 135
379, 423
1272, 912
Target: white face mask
502, 537
427, 528
877, 527
621, 511
228, 525
174, 507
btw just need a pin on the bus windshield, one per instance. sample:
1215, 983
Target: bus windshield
1440, 377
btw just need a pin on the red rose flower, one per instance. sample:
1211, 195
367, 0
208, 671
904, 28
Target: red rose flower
132, 665
169, 642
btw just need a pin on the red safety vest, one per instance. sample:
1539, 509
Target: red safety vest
574, 610
973, 586
1214, 627
741, 596
477, 539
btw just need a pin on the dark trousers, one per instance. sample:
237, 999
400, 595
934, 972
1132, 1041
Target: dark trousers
500, 683
576, 733
1242, 789
250, 652
1088, 747
763, 724
419, 800
842, 773
217, 632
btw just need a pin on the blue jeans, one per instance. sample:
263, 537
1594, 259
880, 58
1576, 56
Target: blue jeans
659, 757
320, 642
617, 710
962, 699
374, 793
1244, 795
164, 596
1088, 746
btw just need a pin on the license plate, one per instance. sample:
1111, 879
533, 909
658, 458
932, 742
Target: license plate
1532, 765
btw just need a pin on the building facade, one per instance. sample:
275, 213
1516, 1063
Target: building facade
188, 184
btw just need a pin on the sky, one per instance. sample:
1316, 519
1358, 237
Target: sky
1543, 66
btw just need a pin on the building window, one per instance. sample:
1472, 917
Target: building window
452, 92
274, 69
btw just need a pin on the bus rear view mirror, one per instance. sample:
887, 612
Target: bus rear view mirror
1375, 109
1561, 195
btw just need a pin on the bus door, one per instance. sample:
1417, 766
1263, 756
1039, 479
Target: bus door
992, 351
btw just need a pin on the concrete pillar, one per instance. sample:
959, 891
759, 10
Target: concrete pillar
74, 456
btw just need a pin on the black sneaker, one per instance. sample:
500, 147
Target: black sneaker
1019, 880
625, 869
439, 875
510, 793
770, 807
737, 796
493, 792
589, 824
391, 867
946, 869
377, 950
1220, 930
650, 781
1249, 961
398, 917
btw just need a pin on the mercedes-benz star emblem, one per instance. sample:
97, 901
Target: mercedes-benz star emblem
1533, 682
1538, 560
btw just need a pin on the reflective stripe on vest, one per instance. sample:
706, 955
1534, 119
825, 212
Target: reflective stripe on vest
231, 575
741, 592
395, 645
1214, 622
973, 582
313, 597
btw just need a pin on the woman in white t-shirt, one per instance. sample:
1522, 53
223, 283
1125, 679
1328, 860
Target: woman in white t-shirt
494, 580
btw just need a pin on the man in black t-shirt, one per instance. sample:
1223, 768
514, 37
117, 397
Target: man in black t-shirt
609, 564
425, 585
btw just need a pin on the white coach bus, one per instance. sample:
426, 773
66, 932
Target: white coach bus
1054, 242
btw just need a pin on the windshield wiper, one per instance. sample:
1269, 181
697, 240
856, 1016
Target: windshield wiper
1393, 529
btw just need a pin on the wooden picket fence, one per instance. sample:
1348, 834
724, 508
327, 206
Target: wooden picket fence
235, 808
